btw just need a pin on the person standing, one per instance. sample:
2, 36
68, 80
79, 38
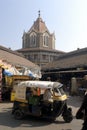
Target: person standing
82, 112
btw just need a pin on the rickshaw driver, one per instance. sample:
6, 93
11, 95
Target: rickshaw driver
48, 100
48, 95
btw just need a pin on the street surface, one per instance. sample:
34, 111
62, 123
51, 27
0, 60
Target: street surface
7, 122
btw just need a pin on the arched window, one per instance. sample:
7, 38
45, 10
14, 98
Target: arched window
45, 40
33, 39
24, 41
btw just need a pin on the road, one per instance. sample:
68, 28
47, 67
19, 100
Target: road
7, 122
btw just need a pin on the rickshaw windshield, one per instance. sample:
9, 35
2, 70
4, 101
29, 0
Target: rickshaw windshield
59, 91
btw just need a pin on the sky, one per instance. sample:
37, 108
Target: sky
67, 18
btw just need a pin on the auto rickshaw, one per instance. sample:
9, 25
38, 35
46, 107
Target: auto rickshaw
29, 101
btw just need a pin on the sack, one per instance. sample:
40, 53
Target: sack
79, 114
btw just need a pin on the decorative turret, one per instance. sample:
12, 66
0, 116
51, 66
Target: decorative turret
38, 36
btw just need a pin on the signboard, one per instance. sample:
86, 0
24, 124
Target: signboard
20, 93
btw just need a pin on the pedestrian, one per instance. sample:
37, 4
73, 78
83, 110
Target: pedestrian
48, 78
82, 112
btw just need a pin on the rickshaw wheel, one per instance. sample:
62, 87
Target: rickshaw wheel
67, 119
18, 114
67, 115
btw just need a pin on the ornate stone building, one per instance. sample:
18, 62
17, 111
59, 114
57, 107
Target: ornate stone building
38, 44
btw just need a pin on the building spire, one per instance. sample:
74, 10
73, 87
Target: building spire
39, 13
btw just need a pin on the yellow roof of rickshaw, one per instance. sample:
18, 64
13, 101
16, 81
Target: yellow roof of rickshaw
40, 84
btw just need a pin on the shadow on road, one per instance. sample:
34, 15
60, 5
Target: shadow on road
74, 101
7, 119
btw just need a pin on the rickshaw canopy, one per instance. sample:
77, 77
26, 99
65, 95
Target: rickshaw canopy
20, 89
40, 84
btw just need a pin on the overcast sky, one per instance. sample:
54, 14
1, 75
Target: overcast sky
67, 18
